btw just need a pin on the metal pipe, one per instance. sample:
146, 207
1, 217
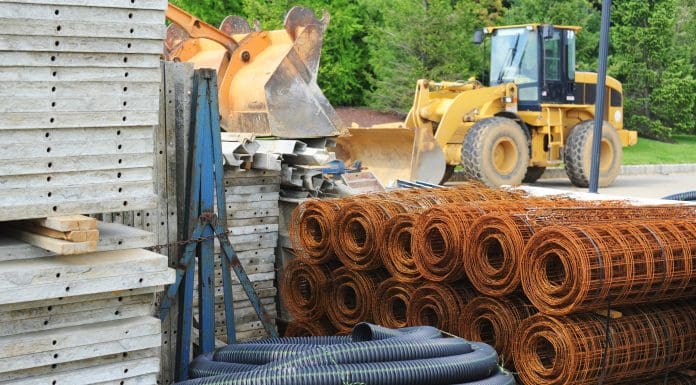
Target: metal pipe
599, 100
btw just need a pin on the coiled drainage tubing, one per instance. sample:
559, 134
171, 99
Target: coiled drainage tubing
374, 355
685, 196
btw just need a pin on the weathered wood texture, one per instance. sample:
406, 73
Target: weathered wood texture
79, 105
251, 197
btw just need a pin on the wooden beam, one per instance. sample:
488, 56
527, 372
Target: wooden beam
58, 246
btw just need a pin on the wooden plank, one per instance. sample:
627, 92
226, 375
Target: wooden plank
28, 305
252, 189
67, 223
67, 12
58, 246
82, 287
76, 337
56, 369
247, 181
140, 380
245, 198
43, 59
141, 4
105, 29
98, 374
122, 44
72, 236
89, 350
88, 204
76, 74
77, 318
263, 221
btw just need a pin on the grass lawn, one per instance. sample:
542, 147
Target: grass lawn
653, 152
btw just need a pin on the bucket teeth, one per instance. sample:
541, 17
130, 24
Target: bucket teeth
298, 18
233, 25
176, 35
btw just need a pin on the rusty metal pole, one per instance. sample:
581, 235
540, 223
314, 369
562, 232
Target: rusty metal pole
599, 100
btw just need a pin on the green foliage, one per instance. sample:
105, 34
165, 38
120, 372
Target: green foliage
682, 150
210, 11
375, 50
411, 39
657, 76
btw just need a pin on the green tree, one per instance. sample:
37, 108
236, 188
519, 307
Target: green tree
210, 11
412, 39
657, 76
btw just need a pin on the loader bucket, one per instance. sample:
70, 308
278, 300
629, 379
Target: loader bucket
268, 84
392, 153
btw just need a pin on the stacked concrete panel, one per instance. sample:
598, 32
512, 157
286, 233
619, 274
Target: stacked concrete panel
252, 220
79, 100
81, 319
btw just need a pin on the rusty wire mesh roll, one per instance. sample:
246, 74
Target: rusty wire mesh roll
310, 228
357, 232
495, 242
573, 349
396, 248
391, 303
317, 327
438, 305
303, 289
351, 297
567, 269
437, 242
495, 322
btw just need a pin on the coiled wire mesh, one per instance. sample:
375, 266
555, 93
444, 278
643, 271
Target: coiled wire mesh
303, 289
391, 303
495, 242
351, 298
567, 269
439, 305
396, 248
583, 349
495, 321
310, 229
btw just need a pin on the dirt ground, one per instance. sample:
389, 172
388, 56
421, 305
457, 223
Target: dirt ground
365, 117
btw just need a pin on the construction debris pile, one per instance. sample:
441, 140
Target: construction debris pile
551, 283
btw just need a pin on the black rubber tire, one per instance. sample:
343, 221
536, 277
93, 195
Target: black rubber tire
477, 151
533, 174
578, 154
449, 171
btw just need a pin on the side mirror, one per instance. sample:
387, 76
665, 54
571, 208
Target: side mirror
478, 36
546, 31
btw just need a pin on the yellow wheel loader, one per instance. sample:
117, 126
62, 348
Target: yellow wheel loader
537, 111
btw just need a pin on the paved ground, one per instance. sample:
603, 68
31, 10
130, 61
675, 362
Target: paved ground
639, 186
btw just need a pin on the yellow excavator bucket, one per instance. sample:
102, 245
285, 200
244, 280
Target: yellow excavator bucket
393, 152
267, 80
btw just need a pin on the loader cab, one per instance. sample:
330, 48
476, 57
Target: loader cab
539, 59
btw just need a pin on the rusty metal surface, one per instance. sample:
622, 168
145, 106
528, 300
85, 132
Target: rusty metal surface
439, 305
576, 349
351, 298
496, 242
303, 289
320, 327
392, 299
495, 321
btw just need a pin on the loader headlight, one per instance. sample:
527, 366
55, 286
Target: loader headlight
507, 99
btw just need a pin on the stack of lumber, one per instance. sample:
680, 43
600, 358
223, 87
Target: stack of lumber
252, 220
79, 100
85, 318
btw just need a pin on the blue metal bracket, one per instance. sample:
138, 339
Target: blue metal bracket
204, 223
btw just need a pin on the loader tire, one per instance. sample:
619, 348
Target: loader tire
578, 154
533, 174
496, 152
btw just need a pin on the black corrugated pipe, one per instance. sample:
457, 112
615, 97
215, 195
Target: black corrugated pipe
685, 196
380, 356
503, 377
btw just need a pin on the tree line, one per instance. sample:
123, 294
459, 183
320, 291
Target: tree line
375, 50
